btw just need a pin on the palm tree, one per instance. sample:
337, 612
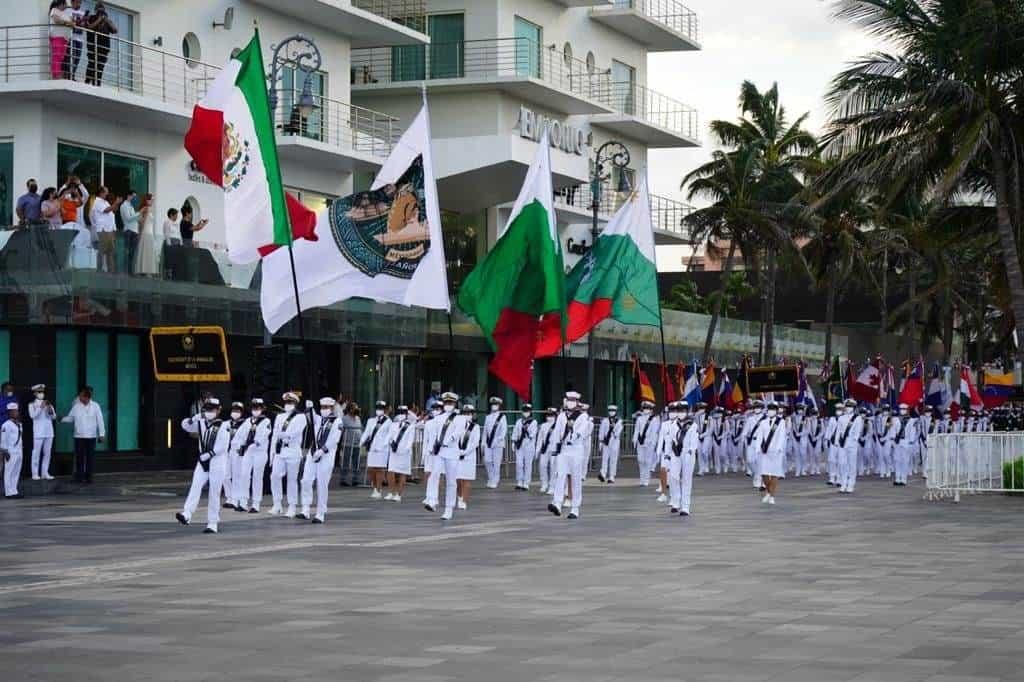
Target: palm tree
945, 113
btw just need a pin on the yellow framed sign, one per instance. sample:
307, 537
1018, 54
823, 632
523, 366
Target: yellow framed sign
774, 379
189, 354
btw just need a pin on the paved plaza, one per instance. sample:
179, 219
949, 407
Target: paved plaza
881, 586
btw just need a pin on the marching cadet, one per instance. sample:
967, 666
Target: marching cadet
214, 441
444, 451
683, 460
702, 420
524, 440
798, 423
771, 436
851, 433
42, 414
831, 445
431, 428
572, 428
251, 446
735, 442
286, 454
904, 445
588, 444
375, 440
645, 440
469, 446
717, 440
11, 445
545, 448
319, 464
751, 451
886, 438
233, 463
496, 430
609, 435
400, 440
675, 411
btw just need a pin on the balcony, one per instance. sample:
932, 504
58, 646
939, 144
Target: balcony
585, 3
518, 66
660, 25
365, 22
642, 114
575, 203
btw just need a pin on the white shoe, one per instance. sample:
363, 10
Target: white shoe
211, 529
375, 495
274, 511
462, 504
447, 516
771, 499
47, 477
290, 513
35, 478
764, 500
566, 502
389, 497
662, 498
659, 489
396, 498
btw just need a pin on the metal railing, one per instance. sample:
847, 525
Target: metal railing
671, 13
475, 59
338, 124
410, 13
104, 61
970, 463
666, 214
652, 106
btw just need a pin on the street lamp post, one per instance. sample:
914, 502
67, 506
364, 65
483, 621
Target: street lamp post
609, 156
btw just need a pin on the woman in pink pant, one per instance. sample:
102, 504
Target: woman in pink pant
61, 25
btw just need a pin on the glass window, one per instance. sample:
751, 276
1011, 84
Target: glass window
121, 173
97, 375
95, 167
124, 63
447, 42
463, 242
529, 39
8, 189
66, 375
314, 201
292, 122
129, 397
624, 86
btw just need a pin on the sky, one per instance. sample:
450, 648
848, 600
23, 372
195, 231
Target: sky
793, 42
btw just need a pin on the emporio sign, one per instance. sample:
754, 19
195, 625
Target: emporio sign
569, 139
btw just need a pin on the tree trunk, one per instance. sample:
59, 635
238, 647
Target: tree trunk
769, 322
947, 323
716, 310
762, 279
981, 326
1008, 245
912, 326
830, 316
884, 326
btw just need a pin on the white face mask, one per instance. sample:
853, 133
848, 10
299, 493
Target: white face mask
210, 415
549, 418
40, 396
673, 415
570, 404
526, 414
236, 415
448, 407
257, 412
495, 408
410, 417
772, 413
289, 408
613, 415
326, 411
647, 410
904, 413
379, 413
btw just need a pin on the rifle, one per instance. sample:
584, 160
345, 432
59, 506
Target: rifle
524, 431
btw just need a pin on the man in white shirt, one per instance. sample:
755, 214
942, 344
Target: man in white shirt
87, 417
105, 227
130, 220
42, 414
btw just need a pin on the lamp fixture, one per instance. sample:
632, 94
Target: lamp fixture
229, 19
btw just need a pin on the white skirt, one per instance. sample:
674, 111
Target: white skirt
467, 468
377, 459
772, 464
400, 462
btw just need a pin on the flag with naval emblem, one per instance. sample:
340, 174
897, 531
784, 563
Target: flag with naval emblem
617, 279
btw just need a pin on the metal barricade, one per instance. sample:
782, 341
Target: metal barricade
972, 463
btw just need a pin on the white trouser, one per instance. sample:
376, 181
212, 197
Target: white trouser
254, 464
524, 465
705, 455
848, 467
492, 464
449, 467
571, 463
200, 477
753, 465
319, 473
226, 483
545, 471
833, 462
285, 464
644, 456
680, 481
901, 459
41, 448
235, 486
610, 459
12, 471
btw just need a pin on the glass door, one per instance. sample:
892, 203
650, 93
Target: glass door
529, 39
624, 87
292, 121
447, 45
124, 63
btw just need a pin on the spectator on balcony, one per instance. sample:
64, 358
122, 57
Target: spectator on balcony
61, 25
101, 28
74, 54
29, 206
150, 243
130, 229
188, 228
49, 208
105, 226
74, 183
172, 235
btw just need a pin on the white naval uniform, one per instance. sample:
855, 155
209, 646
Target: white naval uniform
703, 422
770, 440
663, 450
750, 447
42, 416
375, 440
886, 439
904, 446
849, 431
831, 447
645, 440
319, 464
445, 452
546, 444
251, 446
431, 427
469, 445
609, 436
683, 459
285, 458
400, 440
572, 434
524, 440
495, 432
233, 463
11, 444
214, 440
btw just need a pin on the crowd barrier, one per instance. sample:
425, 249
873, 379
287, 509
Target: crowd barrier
970, 463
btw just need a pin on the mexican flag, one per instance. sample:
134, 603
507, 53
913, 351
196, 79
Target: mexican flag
232, 142
520, 280
617, 279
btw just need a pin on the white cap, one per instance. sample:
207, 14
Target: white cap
212, 402
904, 406
572, 395
12, 406
38, 387
449, 397
328, 402
497, 401
290, 397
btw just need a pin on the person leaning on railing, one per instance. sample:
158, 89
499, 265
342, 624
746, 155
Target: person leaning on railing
61, 24
100, 29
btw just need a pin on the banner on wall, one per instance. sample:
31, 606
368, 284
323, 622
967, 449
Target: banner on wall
189, 354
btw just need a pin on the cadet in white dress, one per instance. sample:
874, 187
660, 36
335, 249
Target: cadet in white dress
683, 459
546, 443
495, 432
771, 437
469, 446
431, 428
904, 445
645, 440
286, 454
253, 445
42, 414
400, 441
11, 444
572, 428
233, 465
750, 448
524, 441
609, 437
319, 464
375, 440
214, 440
666, 435
445, 451
850, 432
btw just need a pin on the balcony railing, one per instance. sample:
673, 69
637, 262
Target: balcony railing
477, 59
671, 13
653, 107
338, 124
25, 55
666, 214
409, 13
